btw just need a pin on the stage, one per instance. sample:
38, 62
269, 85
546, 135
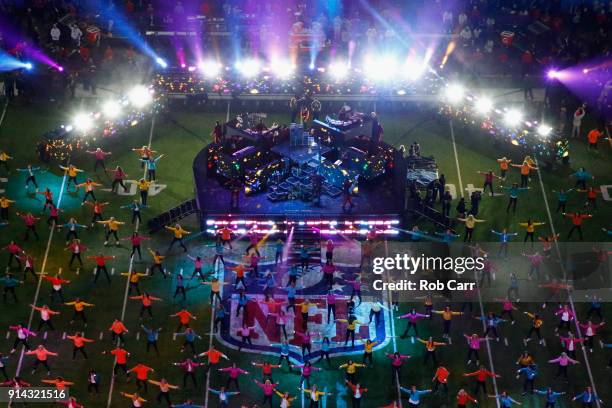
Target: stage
286, 175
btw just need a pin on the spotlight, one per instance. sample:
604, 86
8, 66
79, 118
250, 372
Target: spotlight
83, 122
454, 93
139, 96
483, 105
111, 109
544, 130
381, 68
183, 65
160, 61
513, 117
414, 69
60, 69
311, 66
249, 67
338, 70
209, 68
191, 69
585, 71
282, 68
554, 74
28, 66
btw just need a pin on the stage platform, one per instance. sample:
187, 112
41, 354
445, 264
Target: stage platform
373, 199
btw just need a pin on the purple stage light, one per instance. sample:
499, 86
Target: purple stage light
60, 68
552, 74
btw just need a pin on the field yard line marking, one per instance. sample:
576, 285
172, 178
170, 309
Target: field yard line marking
42, 273
221, 277
562, 266
489, 352
4, 112
390, 306
127, 279
452, 132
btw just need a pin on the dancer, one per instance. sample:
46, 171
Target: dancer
89, 186
397, 360
563, 361
223, 398
42, 355
590, 331
529, 374
190, 338
31, 176
179, 232
184, 317
112, 227
351, 327
513, 193
142, 375
268, 389
463, 398
10, 283
306, 371
118, 179
134, 278
525, 170
314, 395
440, 379
56, 286
488, 180
136, 399
147, 303
481, 376
164, 390
21, 337
101, 266
121, 356
430, 347
569, 343
358, 392
412, 317
145, 153
5, 204
117, 329
350, 370
45, 316
144, 187
588, 398
550, 395
505, 401
136, 240
266, 369
72, 226
157, 263
470, 222
447, 316
136, 208
151, 166
71, 171
152, 337
562, 196
97, 209
535, 261
473, 343
78, 341
577, 219
99, 155
504, 239
14, 250
189, 366
79, 310
530, 227
581, 176
30, 224
414, 395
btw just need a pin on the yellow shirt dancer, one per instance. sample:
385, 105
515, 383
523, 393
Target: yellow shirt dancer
179, 233
112, 226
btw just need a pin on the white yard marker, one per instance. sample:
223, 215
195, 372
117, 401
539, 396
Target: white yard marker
64, 336
127, 280
42, 272
482, 312
562, 266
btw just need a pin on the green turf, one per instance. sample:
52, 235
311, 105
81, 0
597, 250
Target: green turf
180, 137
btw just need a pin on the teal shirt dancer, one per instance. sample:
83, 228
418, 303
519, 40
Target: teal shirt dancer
414, 395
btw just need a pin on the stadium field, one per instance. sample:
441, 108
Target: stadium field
180, 135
